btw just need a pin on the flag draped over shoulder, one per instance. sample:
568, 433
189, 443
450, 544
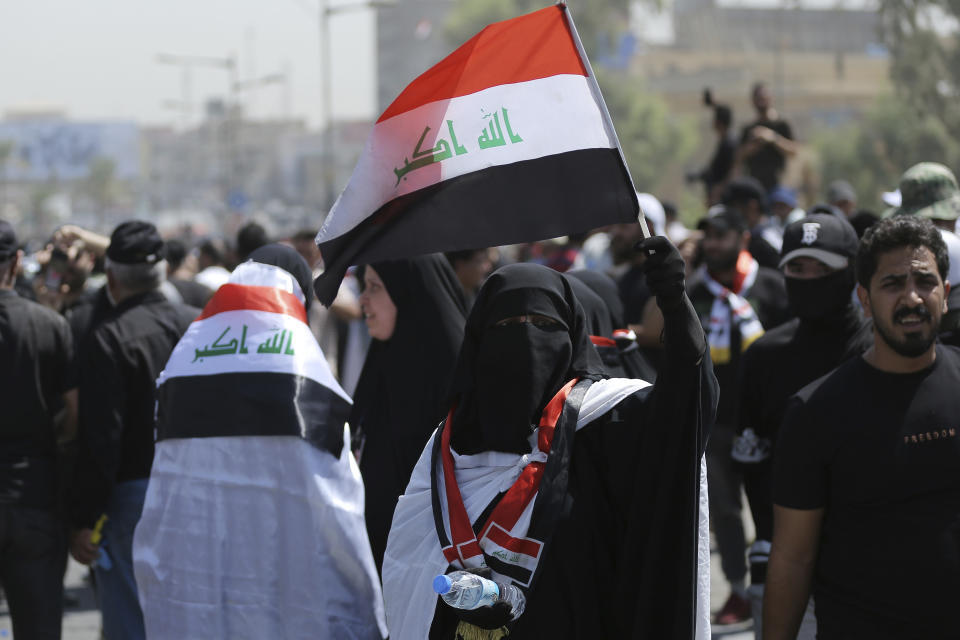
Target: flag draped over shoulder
249, 365
253, 521
505, 140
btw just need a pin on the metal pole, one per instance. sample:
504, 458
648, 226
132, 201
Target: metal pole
326, 103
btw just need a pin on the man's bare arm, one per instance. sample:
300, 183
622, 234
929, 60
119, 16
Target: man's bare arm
796, 540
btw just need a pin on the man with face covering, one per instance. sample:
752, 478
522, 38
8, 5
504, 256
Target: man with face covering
737, 299
580, 490
817, 260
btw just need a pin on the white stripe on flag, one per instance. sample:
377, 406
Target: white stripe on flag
547, 116
215, 345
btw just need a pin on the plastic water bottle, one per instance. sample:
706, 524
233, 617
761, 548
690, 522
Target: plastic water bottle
464, 590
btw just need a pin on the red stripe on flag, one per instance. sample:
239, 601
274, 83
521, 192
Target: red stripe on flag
242, 297
537, 45
600, 341
518, 545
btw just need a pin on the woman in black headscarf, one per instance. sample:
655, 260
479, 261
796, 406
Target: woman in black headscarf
621, 356
581, 491
415, 312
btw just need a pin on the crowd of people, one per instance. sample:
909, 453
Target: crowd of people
561, 416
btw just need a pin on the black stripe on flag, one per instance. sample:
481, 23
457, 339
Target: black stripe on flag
520, 202
252, 404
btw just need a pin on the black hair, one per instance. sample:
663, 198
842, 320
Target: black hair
250, 237
464, 255
722, 114
175, 252
304, 235
757, 87
213, 248
895, 233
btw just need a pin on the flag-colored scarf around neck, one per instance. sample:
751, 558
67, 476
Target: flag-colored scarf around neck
505, 140
253, 341
731, 308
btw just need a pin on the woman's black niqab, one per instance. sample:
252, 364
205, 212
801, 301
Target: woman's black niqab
506, 374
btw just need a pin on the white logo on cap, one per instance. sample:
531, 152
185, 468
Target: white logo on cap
810, 232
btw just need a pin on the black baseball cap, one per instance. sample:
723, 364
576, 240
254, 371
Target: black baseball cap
8, 240
723, 218
823, 236
135, 242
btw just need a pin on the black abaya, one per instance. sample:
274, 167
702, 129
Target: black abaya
402, 391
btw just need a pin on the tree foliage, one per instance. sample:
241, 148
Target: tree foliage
873, 153
654, 141
925, 63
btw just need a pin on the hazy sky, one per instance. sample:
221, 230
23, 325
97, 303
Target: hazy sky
97, 58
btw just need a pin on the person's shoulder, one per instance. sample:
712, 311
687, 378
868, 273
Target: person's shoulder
950, 355
38, 314
769, 274
774, 340
836, 385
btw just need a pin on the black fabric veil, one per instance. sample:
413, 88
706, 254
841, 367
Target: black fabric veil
287, 258
598, 316
402, 392
555, 355
606, 288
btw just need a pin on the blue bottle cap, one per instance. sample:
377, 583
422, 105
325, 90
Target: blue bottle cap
442, 584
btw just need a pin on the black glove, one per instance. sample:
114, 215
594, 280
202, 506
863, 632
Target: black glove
664, 270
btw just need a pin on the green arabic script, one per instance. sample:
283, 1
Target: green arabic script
219, 348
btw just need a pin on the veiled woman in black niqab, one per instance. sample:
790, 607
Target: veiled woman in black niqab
614, 514
402, 391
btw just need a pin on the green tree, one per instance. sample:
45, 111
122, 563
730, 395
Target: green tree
925, 60
101, 186
873, 153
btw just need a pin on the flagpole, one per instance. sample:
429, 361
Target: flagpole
607, 120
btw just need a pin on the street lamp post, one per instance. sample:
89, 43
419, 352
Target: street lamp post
325, 11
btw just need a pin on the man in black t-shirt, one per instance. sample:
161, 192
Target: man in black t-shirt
766, 142
866, 482
35, 349
736, 300
817, 260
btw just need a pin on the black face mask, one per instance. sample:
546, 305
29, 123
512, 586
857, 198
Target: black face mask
519, 367
820, 298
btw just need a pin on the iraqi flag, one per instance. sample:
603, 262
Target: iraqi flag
506, 140
253, 522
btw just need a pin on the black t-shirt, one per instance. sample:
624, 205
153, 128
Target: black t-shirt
881, 453
775, 367
123, 359
768, 297
35, 349
768, 162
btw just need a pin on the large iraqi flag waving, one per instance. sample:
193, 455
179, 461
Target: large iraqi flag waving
505, 140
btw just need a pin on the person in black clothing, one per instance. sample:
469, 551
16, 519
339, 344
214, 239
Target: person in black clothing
766, 142
250, 237
122, 360
818, 255
866, 489
582, 491
736, 299
35, 349
716, 173
747, 196
597, 293
414, 311
192, 292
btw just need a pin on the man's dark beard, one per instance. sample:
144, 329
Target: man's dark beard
723, 262
915, 344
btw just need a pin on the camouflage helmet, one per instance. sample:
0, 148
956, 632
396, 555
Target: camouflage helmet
929, 189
